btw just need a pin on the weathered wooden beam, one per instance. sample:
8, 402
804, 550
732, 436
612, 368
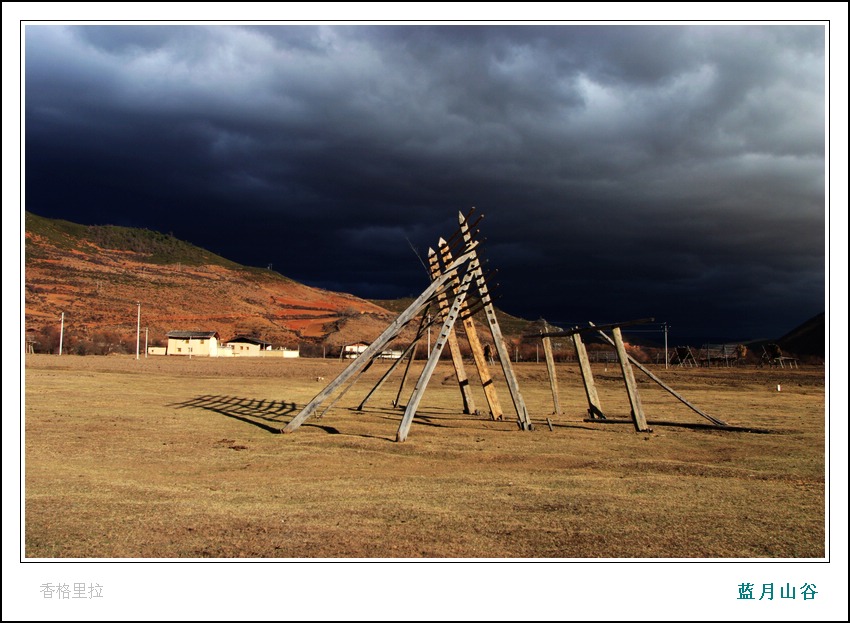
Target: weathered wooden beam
594, 408
553, 376
523, 418
434, 357
591, 327
638, 416
380, 343
643, 369
478, 357
454, 346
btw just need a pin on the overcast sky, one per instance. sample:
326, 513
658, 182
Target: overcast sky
672, 171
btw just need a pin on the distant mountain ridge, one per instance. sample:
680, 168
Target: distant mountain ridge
98, 274
151, 246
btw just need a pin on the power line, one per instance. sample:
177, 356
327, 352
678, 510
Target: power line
416, 253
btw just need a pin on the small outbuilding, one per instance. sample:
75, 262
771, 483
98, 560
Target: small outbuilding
352, 351
247, 346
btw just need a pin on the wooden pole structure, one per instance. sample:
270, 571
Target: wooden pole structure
594, 407
643, 369
638, 416
410, 359
454, 347
386, 375
523, 419
553, 377
434, 357
404, 355
481, 363
390, 333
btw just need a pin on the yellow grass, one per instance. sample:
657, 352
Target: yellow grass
169, 457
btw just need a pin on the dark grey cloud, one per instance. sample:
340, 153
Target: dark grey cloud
624, 171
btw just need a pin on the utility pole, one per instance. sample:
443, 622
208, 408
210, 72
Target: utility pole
61, 332
666, 359
146, 342
138, 326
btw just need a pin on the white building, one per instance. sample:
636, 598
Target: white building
247, 346
353, 351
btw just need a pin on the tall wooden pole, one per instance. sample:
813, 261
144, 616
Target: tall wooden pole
454, 347
481, 363
594, 407
553, 377
523, 418
61, 331
638, 416
434, 357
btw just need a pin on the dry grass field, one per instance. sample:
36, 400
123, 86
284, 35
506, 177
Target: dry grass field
168, 457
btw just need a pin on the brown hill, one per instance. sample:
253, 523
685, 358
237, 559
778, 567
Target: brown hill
809, 339
97, 274
806, 341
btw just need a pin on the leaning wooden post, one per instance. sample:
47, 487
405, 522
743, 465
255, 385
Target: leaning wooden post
390, 333
481, 363
454, 347
550, 366
631, 386
594, 408
523, 418
410, 359
643, 369
422, 383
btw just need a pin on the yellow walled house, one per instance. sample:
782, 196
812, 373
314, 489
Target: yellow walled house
197, 343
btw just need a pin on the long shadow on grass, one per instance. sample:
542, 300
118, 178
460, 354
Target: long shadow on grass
436, 417
250, 410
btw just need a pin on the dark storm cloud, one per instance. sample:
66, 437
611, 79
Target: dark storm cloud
667, 171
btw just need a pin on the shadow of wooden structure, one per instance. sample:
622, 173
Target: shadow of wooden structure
454, 282
626, 361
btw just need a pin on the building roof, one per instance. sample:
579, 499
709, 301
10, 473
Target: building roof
249, 340
185, 335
